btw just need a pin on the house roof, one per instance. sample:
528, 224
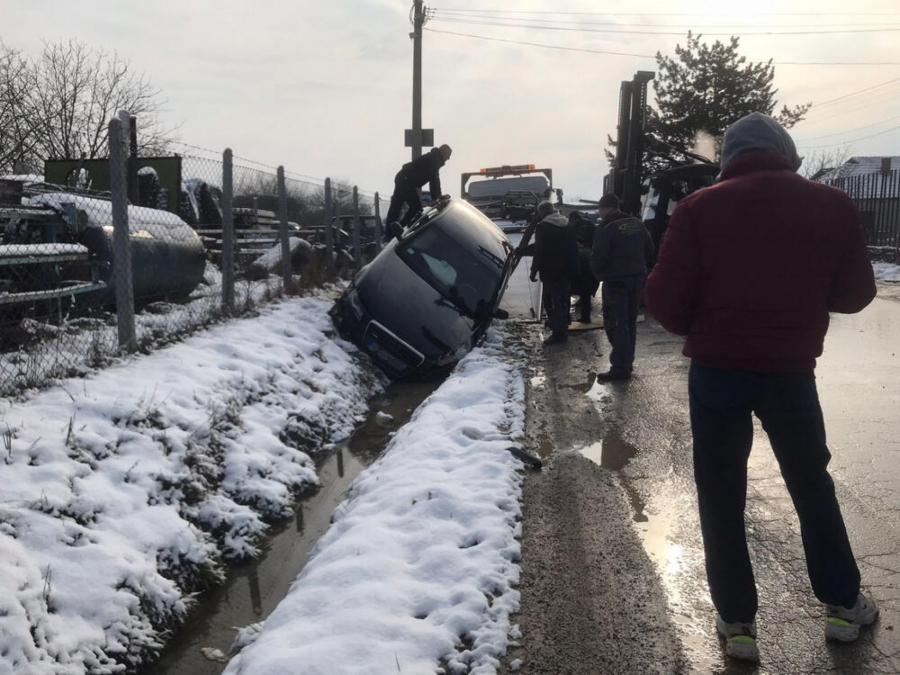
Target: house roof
856, 166
863, 175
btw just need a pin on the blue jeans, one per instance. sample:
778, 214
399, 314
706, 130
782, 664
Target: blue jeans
722, 403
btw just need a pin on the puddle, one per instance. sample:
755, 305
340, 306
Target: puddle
582, 387
611, 453
254, 589
599, 392
545, 449
654, 520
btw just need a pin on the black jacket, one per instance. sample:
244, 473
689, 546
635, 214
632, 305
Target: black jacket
555, 249
622, 247
424, 170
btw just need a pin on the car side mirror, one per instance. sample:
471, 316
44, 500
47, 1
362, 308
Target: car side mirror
501, 314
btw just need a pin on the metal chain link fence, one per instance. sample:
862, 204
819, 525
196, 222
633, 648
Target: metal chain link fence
157, 253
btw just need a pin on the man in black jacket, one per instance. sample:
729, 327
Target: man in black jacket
409, 179
555, 259
584, 283
622, 249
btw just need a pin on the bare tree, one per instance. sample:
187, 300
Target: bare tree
77, 89
825, 162
17, 119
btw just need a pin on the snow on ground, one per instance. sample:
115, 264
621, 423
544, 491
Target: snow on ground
887, 271
80, 343
420, 566
123, 492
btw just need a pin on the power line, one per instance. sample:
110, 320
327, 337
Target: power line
838, 98
567, 13
850, 131
851, 105
538, 44
651, 56
502, 24
438, 15
851, 141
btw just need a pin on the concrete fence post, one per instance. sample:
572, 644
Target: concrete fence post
122, 277
227, 232
379, 228
283, 229
329, 229
357, 230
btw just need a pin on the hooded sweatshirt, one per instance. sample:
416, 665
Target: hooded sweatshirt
757, 132
751, 267
555, 250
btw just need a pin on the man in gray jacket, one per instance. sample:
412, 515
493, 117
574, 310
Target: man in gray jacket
622, 250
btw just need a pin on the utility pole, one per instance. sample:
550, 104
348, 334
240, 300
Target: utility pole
418, 21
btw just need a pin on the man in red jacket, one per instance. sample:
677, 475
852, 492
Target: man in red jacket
749, 270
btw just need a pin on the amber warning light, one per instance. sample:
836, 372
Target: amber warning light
517, 167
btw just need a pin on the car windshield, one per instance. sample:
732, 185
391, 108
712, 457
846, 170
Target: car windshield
468, 280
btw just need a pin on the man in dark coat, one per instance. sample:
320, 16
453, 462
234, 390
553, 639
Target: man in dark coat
584, 284
749, 270
555, 259
621, 252
407, 182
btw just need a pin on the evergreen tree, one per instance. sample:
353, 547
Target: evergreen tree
703, 89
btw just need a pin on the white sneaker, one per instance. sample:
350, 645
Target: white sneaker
740, 639
843, 624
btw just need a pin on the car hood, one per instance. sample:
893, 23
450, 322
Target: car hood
413, 310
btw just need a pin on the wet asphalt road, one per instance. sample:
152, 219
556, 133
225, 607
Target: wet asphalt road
612, 571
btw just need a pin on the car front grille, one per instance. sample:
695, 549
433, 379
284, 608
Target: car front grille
393, 352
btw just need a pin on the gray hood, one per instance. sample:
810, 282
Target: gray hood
557, 219
757, 131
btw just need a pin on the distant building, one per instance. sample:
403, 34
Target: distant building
873, 183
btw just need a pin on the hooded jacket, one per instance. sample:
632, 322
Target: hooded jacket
555, 250
424, 169
751, 267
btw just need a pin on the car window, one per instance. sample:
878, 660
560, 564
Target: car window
468, 280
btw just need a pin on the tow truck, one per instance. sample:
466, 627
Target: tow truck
508, 194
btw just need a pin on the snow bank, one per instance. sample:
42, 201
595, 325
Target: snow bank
420, 566
886, 271
123, 492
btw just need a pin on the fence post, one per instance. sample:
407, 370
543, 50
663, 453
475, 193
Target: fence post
285, 242
329, 229
227, 232
379, 237
357, 234
122, 278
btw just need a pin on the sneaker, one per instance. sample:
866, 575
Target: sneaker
740, 639
554, 339
843, 624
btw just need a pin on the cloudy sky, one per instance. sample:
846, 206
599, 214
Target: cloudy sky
324, 86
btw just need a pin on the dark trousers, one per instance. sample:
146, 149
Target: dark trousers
556, 304
404, 193
621, 301
722, 403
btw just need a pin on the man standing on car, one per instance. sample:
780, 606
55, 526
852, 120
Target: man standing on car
407, 182
555, 259
622, 249
749, 271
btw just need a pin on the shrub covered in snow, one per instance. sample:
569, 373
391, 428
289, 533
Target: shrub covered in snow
124, 492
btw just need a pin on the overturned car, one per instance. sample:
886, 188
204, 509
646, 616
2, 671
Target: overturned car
429, 296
